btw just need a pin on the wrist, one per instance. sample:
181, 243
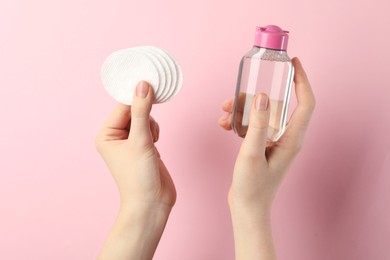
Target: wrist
248, 207
250, 217
252, 233
136, 232
145, 216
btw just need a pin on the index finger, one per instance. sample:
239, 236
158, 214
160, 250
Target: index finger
119, 118
116, 126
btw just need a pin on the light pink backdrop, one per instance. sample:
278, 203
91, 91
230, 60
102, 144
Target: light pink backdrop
57, 199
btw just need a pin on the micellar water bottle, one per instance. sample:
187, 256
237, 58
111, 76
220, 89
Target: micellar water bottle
266, 68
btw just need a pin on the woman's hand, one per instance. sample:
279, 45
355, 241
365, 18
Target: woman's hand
260, 168
147, 193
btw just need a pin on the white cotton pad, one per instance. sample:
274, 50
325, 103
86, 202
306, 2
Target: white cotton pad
179, 81
164, 63
160, 69
123, 69
172, 67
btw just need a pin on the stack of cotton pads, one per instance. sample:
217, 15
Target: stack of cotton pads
123, 69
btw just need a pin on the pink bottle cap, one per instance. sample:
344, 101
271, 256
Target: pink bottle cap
271, 37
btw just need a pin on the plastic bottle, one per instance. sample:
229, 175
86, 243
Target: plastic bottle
268, 69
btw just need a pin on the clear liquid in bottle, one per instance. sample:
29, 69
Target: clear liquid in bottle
267, 70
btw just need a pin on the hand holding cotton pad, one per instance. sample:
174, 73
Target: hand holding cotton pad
123, 69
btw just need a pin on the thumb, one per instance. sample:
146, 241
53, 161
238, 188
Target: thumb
256, 137
140, 113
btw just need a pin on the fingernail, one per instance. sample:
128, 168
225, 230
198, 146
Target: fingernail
261, 102
142, 89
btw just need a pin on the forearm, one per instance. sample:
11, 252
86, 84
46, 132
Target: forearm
135, 234
252, 235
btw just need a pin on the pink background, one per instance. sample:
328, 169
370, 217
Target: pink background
57, 199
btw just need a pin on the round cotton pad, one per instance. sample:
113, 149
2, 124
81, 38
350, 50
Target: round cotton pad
179, 79
121, 72
168, 74
123, 69
160, 69
172, 68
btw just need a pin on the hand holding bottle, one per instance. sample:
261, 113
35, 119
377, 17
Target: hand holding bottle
260, 169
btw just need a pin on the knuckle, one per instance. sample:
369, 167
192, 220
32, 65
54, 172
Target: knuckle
141, 141
258, 129
259, 124
140, 109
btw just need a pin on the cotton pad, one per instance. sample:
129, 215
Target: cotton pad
179, 81
172, 67
123, 69
161, 72
165, 66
